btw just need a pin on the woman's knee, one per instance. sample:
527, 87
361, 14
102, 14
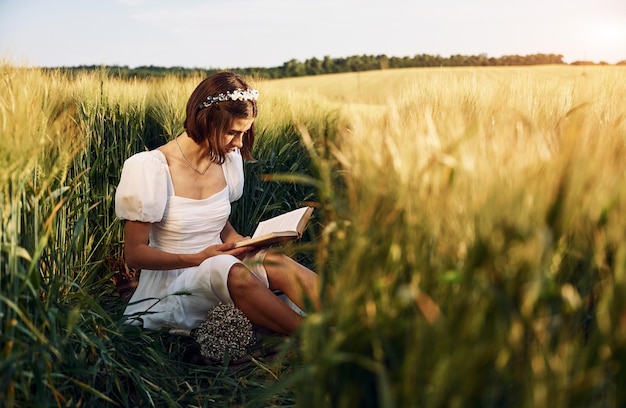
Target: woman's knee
276, 260
279, 267
240, 278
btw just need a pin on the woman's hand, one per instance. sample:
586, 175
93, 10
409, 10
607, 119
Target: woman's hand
224, 249
230, 237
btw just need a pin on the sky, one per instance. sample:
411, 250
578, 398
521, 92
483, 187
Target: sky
267, 33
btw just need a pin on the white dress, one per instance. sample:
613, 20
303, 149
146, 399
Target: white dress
179, 298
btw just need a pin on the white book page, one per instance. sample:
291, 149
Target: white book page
284, 222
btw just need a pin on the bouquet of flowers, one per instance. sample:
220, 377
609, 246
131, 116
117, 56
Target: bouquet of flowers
224, 331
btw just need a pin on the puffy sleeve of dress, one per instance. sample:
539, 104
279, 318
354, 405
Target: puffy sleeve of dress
233, 171
142, 192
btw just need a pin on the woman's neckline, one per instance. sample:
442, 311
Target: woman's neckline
171, 182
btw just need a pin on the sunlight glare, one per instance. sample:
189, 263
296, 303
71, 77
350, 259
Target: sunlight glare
612, 33
606, 40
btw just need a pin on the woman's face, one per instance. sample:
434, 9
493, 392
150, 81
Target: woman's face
234, 137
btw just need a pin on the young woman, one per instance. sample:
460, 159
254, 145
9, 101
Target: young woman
176, 201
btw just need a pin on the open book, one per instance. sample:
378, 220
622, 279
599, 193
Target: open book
285, 227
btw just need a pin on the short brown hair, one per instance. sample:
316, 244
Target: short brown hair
212, 122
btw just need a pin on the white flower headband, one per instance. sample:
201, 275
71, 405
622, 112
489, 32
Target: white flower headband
236, 95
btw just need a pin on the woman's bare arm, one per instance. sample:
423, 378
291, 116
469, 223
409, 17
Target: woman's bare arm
229, 234
139, 254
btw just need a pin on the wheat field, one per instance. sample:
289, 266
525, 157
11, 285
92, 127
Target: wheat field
469, 234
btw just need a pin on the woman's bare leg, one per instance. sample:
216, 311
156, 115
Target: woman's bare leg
298, 282
260, 304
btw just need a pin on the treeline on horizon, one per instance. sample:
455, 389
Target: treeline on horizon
329, 65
